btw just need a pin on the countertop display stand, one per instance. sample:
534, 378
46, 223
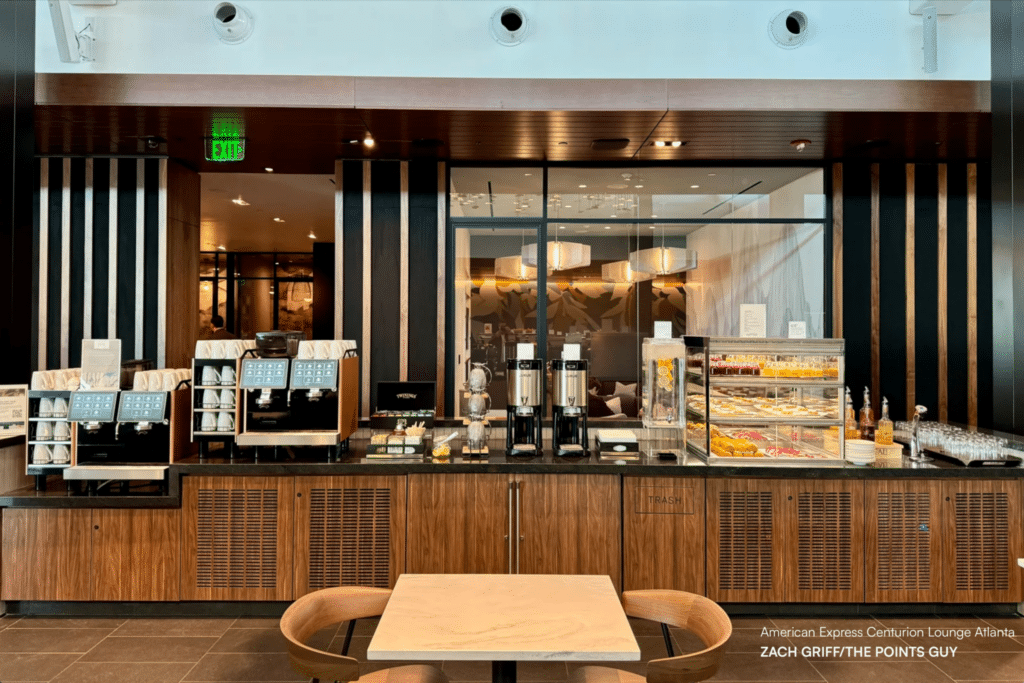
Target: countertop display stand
205, 437
41, 470
789, 389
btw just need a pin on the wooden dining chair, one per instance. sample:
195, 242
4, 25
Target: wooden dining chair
321, 609
695, 613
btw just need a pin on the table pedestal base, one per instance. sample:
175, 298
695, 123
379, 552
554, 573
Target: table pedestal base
503, 672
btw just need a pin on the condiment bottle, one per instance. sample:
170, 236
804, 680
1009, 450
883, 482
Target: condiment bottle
867, 417
852, 431
399, 428
883, 433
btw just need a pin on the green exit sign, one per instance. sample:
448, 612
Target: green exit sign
225, 149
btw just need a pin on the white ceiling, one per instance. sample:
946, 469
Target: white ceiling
666, 192
304, 202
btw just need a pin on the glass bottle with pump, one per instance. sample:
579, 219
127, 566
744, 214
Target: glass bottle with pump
867, 417
883, 433
852, 430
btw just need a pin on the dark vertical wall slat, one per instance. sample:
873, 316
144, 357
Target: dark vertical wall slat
956, 292
352, 227
384, 257
857, 276
54, 274
36, 191
151, 258
893, 318
985, 324
926, 208
126, 270
77, 274
100, 246
323, 290
423, 270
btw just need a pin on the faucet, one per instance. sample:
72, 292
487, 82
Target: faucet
915, 443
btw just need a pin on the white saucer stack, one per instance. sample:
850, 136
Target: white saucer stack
860, 452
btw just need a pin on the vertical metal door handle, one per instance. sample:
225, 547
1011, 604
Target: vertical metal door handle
509, 536
518, 537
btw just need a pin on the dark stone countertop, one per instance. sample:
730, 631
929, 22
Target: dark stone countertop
354, 462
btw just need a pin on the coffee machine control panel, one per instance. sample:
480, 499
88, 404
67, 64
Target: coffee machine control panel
92, 406
264, 373
142, 406
314, 374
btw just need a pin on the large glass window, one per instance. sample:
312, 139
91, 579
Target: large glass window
625, 247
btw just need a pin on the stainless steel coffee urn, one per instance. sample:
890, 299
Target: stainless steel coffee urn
569, 407
525, 401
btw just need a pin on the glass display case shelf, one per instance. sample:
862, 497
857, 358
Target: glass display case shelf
765, 401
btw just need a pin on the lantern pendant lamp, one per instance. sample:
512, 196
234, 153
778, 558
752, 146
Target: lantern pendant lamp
513, 268
621, 271
663, 260
561, 255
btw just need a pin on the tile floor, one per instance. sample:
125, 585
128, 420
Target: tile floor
252, 650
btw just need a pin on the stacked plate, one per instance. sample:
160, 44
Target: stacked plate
860, 452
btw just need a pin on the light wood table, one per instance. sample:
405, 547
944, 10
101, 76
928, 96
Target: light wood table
503, 618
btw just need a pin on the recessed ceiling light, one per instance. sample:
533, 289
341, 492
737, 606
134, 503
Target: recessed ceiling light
677, 143
638, 186
654, 215
240, 201
659, 143
278, 220
561, 227
222, 248
567, 206
582, 186
712, 174
368, 140
268, 169
353, 142
694, 187
613, 216
607, 227
652, 227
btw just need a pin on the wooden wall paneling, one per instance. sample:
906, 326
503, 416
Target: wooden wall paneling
403, 271
983, 539
943, 341
570, 524
46, 554
663, 533
876, 296
837, 250
972, 294
136, 555
349, 531
442, 292
182, 290
237, 538
824, 541
903, 531
458, 524
910, 300
745, 540
367, 308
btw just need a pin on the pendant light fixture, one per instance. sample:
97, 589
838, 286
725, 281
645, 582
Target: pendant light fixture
663, 260
561, 255
513, 268
621, 271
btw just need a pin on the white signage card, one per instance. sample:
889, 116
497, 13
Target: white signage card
753, 320
524, 351
662, 329
571, 352
797, 329
13, 410
101, 364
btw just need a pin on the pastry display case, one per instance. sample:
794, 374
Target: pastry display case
764, 401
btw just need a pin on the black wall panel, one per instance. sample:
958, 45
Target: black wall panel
126, 271
151, 259
100, 246
892, 287
385, 250
956, 292
985, 324
857, 277
77, 274
926, 265
55, 265
423, 270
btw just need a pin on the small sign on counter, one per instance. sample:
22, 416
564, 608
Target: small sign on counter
13, 410
753, 320
797, 329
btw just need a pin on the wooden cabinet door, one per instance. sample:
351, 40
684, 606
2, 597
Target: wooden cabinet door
349, 531
663, 533
569, 524
982, 540
745, 540
136, 555
824, 540
459, 524
902, 540
46, 554
237, 538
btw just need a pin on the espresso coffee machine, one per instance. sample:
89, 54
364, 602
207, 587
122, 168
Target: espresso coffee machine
92, 414
569, 407
525, 406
